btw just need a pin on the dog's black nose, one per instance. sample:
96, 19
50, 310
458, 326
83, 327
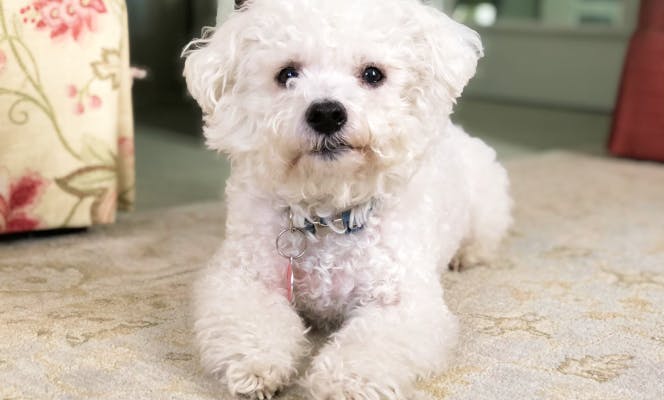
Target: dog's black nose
326, 117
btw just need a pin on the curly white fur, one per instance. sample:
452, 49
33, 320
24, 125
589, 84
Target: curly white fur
438, 193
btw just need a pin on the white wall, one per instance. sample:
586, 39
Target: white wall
225, 8
569, 69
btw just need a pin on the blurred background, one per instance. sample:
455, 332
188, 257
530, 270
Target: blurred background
549, 81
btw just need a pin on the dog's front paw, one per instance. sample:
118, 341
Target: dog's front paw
330, 379
256, 379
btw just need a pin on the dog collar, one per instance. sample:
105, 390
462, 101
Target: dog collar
347, 222
339, 224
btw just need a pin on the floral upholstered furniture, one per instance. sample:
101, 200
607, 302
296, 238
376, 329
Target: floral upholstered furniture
66, 129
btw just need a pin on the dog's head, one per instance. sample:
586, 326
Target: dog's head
330, 103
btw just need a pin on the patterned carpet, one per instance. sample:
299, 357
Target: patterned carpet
571, 310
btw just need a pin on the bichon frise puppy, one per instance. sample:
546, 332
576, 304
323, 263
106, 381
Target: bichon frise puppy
350, 191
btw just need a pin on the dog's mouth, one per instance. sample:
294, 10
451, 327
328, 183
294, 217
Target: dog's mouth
330, 148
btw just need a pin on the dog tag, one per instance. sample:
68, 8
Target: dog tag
291, 244
290, 280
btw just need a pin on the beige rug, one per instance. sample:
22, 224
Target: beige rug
572, 310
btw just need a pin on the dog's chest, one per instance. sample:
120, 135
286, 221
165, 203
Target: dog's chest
340, 272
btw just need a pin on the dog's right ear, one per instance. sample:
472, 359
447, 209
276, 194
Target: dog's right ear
210, 65
211, 61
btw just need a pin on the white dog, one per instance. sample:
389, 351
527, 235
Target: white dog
335, 116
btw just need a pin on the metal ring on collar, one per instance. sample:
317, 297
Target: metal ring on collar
303, 241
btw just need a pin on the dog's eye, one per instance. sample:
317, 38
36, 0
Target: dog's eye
286, 74
373, 76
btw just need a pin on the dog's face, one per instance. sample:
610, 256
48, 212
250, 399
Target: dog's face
330, 103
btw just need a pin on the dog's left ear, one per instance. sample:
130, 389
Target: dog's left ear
454, 50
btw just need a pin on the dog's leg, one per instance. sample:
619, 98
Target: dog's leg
490, 205
381, 350
249, 336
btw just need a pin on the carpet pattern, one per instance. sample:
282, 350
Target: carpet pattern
571, 309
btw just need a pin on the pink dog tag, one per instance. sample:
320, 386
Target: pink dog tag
291, 243
290, 280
